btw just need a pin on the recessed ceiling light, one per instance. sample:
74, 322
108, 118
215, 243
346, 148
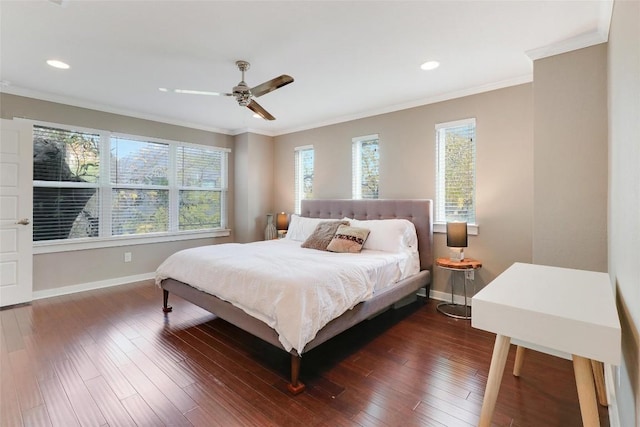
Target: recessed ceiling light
430, 65
257, 116
58, 64
163, 89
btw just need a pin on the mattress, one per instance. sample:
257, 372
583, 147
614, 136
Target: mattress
295, 291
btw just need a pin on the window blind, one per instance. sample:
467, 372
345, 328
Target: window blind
456, 171
303, 175
140, 194
365, 167
201, 183
66, 172
98, 184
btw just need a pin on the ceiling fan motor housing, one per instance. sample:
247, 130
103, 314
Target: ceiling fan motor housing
242, 93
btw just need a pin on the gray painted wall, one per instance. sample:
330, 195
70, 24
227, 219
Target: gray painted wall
407, 169
570, 159
254, 184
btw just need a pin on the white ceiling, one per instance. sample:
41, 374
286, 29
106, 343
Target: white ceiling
349, 59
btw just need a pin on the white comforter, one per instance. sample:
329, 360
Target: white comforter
294, 290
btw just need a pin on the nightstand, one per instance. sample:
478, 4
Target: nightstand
467, 267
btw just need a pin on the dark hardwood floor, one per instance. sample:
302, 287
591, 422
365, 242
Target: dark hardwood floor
110, 357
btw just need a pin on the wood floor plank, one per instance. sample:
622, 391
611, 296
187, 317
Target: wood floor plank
110, 372
38, 358
58, 406
154, 397
111, 357
211, 408
36, 417
141, 412
163, 382
82, 363
11, 330
10, 413
23, 315
154, 352
112, 409
84, 406
27, 388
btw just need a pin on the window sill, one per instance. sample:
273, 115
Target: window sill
441, 227
110, 242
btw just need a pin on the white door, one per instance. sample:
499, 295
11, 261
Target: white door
16, 207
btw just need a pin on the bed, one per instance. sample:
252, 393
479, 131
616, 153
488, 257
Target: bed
418, 212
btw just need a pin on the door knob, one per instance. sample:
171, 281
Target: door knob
23, 221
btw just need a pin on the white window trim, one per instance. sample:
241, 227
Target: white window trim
439, 226
43, 247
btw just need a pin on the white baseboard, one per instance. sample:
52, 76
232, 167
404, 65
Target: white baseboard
445, 296
116, 281
614, 413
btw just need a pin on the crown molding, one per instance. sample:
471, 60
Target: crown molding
74, 102
589, 38
527, 78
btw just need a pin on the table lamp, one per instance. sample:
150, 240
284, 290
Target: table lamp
282, 224
457, 238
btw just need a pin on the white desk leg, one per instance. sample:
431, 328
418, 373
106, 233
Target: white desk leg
498, 360
586, 392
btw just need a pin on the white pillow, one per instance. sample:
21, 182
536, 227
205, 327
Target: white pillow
389, 235
300, 227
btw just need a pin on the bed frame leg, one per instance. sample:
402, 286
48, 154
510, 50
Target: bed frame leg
295, 386
166, 308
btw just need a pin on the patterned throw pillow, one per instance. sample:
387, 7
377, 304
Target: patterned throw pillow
322, 235
348, 239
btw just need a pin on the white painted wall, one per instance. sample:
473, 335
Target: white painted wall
624, 197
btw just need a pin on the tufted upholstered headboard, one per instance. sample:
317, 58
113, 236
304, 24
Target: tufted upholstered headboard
418, 211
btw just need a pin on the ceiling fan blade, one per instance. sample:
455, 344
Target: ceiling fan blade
195, 92
271, 85
257, 108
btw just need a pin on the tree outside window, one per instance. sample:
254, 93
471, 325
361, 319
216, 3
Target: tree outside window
456, 171
95, 184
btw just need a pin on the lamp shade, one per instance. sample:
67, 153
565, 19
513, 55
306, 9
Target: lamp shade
282, 221
457, 234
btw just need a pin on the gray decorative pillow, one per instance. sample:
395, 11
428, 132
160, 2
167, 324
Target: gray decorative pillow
322, 235
348, 239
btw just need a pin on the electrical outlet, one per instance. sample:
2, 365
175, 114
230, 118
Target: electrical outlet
127, 257
469, 274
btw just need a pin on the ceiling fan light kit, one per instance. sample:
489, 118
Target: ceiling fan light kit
243, 94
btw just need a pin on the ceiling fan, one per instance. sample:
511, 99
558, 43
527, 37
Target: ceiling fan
243, 93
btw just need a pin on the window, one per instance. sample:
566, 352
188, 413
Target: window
365, 167
456, 171
303, 180
66, 184
94, 184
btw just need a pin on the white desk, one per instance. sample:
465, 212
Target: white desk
559, 309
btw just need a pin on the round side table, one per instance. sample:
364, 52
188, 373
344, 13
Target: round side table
452, 309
